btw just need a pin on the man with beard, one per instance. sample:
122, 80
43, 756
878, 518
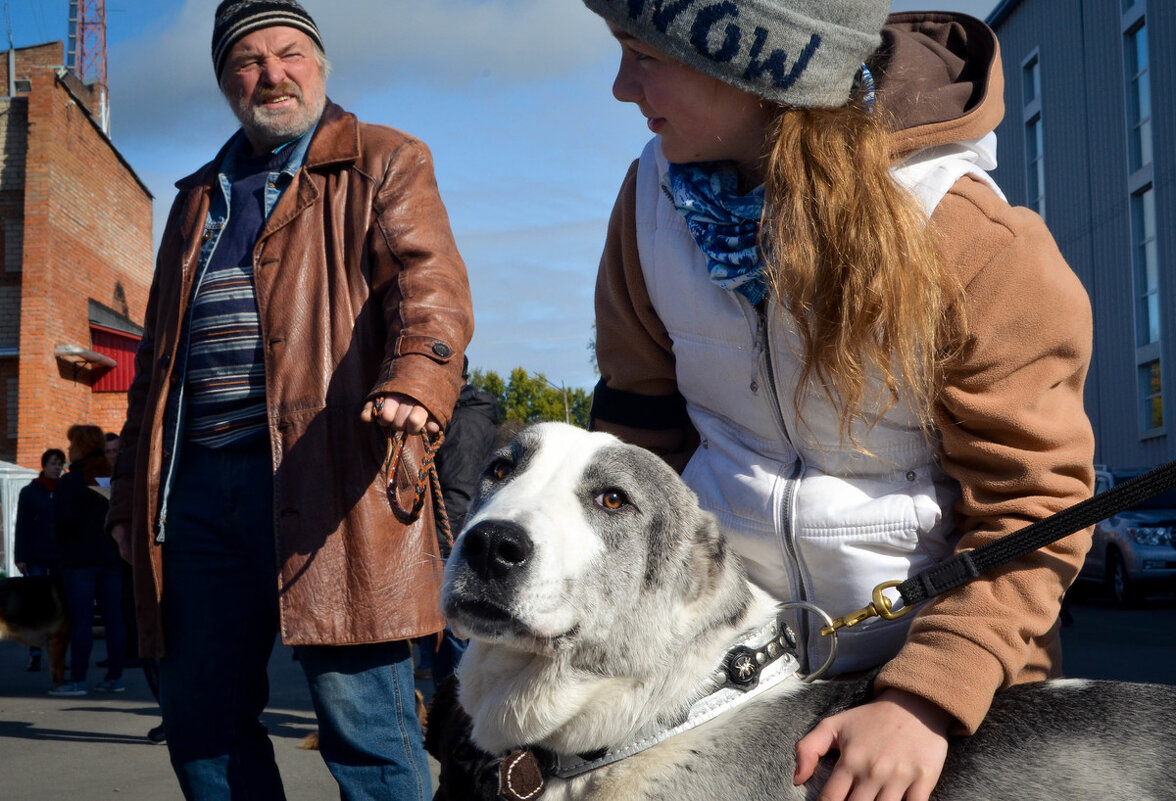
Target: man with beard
307, 286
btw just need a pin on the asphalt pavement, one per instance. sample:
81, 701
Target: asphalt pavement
95, 747
1106, 642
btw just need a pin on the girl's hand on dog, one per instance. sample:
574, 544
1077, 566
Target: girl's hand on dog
400, 413
891, 749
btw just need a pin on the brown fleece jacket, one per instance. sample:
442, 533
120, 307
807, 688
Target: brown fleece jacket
1011, 416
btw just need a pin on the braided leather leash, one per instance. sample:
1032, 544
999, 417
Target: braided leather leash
425, 481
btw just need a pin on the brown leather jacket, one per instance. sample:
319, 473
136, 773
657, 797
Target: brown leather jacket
360, 291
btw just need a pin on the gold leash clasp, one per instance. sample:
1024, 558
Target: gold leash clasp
880, 607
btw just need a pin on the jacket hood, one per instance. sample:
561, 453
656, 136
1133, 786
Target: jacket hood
939, 79
480, 401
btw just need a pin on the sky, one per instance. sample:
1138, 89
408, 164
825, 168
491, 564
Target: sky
513, 97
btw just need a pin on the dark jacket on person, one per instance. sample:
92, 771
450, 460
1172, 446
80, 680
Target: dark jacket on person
469, 439
35, 539
80, 513
360, 292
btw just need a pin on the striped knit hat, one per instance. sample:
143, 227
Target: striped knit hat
236, 19
803, 53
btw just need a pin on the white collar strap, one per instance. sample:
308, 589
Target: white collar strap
760, 660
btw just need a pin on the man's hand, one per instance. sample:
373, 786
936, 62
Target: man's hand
400, 413
891, 748
121, 534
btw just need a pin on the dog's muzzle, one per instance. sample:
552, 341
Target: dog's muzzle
496, 550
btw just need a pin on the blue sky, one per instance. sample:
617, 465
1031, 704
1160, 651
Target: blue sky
512, 96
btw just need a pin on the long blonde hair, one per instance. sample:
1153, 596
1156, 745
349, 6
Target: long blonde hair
852, 258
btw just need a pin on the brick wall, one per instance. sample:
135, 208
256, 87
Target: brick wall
30, 60
86, 234
14, 126
13, 147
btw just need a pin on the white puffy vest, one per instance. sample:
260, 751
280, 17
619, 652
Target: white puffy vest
813, 518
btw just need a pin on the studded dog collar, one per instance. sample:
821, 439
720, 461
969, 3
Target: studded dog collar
758, 662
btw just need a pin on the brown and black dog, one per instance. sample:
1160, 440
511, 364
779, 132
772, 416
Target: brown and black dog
33, 611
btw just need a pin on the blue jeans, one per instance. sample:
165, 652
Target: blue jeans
84, 586
220, 615
365, 699
441, 657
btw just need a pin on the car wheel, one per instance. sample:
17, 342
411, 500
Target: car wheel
1125, 592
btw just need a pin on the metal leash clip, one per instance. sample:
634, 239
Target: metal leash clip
880, 607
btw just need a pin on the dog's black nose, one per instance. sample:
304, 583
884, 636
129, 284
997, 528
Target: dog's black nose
494, 548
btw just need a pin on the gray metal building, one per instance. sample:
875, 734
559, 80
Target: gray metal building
1089, 141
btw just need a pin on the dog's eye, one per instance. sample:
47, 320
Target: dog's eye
612, 499
500, 469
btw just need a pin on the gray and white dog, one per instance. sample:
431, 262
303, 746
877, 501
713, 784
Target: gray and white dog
606, 613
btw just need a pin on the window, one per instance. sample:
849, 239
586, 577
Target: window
1145, 252
1151, 391
1034, 134
1031, 76
1138, 98
1034, 145
1147, 267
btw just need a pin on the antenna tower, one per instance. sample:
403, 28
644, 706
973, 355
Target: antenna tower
87, 49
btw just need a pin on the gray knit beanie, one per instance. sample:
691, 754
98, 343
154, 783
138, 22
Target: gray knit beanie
803, 53
236, 19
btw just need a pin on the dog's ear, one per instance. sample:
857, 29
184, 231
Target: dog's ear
710, 556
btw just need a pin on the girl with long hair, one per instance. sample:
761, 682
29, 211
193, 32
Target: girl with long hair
815, 303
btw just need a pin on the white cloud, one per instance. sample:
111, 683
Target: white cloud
459, 40
162, 82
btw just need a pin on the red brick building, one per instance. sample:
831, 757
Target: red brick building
75, 237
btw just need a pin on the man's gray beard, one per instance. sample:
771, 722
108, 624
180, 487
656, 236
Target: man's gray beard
269, 134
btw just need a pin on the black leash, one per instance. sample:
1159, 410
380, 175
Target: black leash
963, 567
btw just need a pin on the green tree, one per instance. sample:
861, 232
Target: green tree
531, 398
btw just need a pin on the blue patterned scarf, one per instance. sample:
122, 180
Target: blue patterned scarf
724, 224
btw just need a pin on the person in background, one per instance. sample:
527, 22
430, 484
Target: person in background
128, 597
91, 568
309, 309
111, 448
156, 734
34, 545
469, 440
814, 299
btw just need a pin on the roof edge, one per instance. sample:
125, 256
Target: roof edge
1001, 12
63, 82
